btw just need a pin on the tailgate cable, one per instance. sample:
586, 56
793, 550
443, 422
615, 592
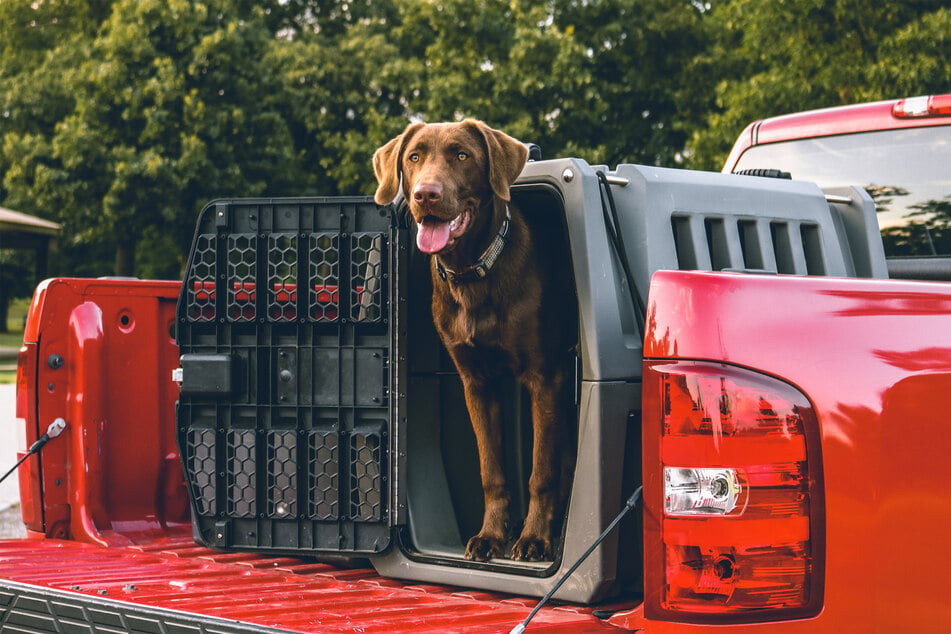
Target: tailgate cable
613, 226
630, 504
55, 429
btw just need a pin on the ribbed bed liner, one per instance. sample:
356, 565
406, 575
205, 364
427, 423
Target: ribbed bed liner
63, 586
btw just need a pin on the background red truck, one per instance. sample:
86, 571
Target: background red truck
742, 355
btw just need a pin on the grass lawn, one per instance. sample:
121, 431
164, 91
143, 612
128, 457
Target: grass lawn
13, 338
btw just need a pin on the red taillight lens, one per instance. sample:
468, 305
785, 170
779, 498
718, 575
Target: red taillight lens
925, 106
732, 482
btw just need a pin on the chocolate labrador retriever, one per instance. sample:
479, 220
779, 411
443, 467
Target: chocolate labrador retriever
497, 308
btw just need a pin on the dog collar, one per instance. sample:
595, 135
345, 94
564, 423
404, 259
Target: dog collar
480, 268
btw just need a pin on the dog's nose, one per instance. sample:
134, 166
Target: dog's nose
427, 193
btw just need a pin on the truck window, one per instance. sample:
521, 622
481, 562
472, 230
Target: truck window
904, 170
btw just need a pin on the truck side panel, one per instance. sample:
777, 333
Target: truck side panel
874, 358
102, 355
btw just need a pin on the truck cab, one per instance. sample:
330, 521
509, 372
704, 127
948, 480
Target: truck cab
899, 150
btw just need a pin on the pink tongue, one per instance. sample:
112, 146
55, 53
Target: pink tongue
433, 235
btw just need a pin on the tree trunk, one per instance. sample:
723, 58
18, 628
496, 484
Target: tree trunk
4, 311
125, 258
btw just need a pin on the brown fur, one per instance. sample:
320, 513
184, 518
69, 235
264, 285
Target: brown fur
509, 323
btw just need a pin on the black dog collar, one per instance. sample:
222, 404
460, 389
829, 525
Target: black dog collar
480, 268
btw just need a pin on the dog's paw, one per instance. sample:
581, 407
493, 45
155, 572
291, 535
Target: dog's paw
530, 548
484, 548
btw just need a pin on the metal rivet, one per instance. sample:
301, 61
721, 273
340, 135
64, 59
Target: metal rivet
568, 175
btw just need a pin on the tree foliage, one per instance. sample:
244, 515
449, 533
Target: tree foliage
120, 119
772, 58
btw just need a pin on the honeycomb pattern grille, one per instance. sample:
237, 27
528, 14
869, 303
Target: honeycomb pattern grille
282, 474
282, 275
287, 258
323, 458
242, 272
241, 473
366, 261
201, 288
322, 468
200, 462
324, 293
366, 473
285, 439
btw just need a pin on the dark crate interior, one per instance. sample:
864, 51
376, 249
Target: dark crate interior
443, 463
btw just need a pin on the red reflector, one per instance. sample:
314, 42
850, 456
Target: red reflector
940, 104
924, 106
733, 494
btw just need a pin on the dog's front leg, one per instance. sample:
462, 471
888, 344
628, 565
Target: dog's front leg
482, 400
548, 422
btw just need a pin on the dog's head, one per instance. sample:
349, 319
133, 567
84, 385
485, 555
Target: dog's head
448, 171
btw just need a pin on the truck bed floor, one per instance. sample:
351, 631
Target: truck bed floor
175, 586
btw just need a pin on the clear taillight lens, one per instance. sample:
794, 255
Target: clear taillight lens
700, 491
734, 515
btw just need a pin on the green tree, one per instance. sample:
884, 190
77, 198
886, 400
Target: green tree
157, 109
777, 57
121, 118
595, 79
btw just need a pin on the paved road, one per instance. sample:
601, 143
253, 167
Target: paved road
12, 439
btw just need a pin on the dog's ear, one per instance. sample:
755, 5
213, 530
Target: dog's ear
386, 165
507, 157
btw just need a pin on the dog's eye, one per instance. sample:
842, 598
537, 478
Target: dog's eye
462, 156
414, 157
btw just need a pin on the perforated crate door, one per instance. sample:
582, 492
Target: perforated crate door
287, 387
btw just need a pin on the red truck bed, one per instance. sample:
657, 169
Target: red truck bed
172, 585
109, 547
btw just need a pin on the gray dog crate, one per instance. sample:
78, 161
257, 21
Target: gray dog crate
319, 414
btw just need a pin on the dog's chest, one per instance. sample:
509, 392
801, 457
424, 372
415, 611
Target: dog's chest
478, 325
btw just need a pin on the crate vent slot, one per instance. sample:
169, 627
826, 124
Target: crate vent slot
683, 243
717, 244
782, 247
812, 249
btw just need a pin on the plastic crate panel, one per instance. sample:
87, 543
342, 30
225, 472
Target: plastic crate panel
366, 475
201, 275
282, 474
323, 459
200, 464
241, 471
284, 328
324, 294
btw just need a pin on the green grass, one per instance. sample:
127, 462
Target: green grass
13, 338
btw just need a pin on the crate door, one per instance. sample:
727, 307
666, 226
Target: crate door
287, 382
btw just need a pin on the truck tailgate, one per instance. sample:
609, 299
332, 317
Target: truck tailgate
874, 359
176, 586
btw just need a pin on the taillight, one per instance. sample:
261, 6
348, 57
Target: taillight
733, 492
925, 106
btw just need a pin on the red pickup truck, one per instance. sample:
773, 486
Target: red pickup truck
278, 443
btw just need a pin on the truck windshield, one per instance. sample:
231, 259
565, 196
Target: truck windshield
906, 171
